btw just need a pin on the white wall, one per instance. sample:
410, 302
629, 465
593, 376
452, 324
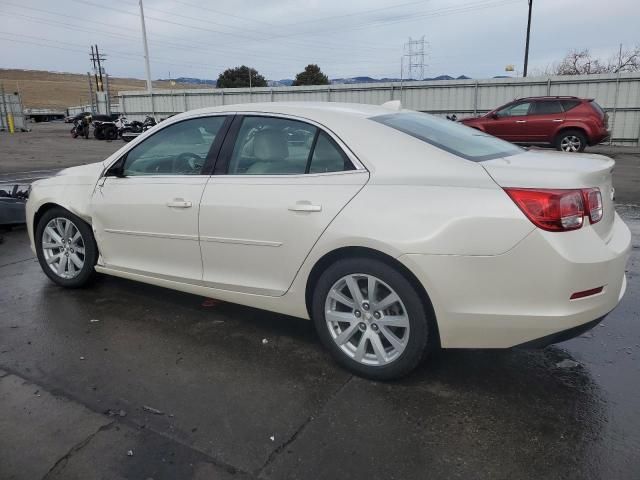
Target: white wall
618, 95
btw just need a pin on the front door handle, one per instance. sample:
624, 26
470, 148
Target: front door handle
179, 203
305, 207
521, 121
557, 120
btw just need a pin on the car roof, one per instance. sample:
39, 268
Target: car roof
317, 111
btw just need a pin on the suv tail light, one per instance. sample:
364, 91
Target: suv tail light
593, 203
558, 210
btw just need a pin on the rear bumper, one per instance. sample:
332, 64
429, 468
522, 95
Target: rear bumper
600, 137
562, 336
524, 295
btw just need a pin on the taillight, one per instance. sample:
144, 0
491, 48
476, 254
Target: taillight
558, 210
552, 210
593, 203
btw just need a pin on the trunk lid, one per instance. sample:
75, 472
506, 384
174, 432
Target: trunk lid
549, 169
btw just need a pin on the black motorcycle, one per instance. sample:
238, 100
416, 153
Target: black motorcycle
81, 126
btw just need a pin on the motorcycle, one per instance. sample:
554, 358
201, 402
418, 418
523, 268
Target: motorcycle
81, 126
131, 130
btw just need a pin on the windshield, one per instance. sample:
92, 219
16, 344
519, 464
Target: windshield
452, 137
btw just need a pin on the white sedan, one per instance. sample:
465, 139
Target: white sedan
394, 231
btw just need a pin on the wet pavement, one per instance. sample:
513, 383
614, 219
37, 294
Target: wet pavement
232, 406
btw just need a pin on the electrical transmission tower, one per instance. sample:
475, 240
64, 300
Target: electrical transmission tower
414, 52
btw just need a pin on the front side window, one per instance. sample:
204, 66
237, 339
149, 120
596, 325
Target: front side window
515, 110
449, 136
180, 149
279, 146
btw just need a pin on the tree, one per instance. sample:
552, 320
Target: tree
583, 63
312, 75
239, 77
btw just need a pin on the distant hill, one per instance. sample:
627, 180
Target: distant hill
59, 90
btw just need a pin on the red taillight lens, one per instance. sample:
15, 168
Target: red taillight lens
552, 210
593, 203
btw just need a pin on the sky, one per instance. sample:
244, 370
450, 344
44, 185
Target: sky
196, 38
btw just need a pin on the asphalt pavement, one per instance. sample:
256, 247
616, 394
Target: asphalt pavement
129, 381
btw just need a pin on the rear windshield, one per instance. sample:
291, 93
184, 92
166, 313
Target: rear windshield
598, 108
452, 137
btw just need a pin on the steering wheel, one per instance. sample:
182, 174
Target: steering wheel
187, 162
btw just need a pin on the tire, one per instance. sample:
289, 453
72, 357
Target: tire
111, 133
72, 275
414, 340
573, 141
98, 133
74, 132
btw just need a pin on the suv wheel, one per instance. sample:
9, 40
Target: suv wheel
571, 141
370, 318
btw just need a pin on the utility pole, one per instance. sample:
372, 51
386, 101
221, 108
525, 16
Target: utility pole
99, 69
146, 49
526, 48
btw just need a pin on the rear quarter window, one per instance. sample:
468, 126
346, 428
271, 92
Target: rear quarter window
569, 104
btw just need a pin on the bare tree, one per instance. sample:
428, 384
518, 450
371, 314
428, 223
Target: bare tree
581, 62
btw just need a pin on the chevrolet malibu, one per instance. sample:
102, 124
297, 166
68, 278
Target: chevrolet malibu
394, 231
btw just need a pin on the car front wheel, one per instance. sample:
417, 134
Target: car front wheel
66, 248
371, 318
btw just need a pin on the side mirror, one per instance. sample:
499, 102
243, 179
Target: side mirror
117, 169
493, 115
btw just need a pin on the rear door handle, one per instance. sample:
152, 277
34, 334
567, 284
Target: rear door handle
521, 121
179, 203
557, 120
305, 207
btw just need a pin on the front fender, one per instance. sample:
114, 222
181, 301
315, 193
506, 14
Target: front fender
72, 197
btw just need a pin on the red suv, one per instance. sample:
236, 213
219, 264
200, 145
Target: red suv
567, 123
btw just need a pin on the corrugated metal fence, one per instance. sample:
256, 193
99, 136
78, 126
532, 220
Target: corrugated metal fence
619, 95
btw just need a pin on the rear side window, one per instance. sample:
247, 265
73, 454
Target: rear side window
328, 157
569, 104
548, 107
452, 137
279, 146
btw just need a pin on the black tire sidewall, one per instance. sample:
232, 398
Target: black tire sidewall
91, 251
418, 344
574, 133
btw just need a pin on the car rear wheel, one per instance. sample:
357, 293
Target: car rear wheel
571, 141
370, 318
66, 248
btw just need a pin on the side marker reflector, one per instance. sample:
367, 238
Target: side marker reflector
586, 293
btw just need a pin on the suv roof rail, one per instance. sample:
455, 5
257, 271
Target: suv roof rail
540, 97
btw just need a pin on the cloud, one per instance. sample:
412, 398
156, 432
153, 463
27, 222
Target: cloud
361, 37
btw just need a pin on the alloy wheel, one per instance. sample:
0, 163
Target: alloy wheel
570, 143
63, 248
367, 319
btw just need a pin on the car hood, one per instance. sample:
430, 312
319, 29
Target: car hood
80, 175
